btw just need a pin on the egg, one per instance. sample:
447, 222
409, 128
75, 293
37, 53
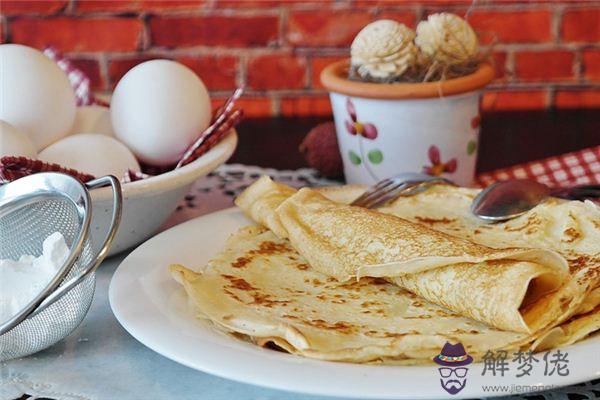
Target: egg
93, 153
15, 143
92, 119
158, 108
36, 97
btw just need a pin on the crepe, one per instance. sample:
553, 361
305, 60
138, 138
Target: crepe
262, 290
261, 287
570, 332
572, 228
514, 289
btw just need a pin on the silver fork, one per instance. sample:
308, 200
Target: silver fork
405, 184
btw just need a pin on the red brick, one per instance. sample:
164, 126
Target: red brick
326, 27
92, 69
277, 72
217, 72
514, 100
591, 64
119, 67
318, 64
499, 59
578, 99
252, 106
305, 106
13, 7
66, 34
544, 65
265, 3
581, 25
383, 3
241, 31
407, 18
513, 27
1, 32
137, 5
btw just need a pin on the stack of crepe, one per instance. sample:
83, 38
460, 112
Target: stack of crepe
320, 278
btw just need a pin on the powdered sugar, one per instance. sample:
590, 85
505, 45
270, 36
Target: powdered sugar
22, 280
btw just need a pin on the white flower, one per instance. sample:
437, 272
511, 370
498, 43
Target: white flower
383, 49
447, 38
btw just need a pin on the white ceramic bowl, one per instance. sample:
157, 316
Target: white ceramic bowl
149, 202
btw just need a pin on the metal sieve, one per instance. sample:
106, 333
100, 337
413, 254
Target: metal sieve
31, 209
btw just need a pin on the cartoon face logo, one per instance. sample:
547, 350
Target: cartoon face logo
452, 361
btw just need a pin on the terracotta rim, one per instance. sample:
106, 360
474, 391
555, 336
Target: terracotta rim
334, 78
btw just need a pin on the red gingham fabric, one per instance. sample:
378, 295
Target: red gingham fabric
79, 80
577, 168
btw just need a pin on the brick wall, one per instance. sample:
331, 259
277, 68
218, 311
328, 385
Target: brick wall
547, 53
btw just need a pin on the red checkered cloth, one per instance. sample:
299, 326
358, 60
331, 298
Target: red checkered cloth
78, 79
577, 168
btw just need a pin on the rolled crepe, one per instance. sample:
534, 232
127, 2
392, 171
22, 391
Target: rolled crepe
571, 228
495, 286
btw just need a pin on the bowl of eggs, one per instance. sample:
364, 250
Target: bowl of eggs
156, 112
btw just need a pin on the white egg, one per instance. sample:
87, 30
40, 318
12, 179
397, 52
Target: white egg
158, 108
15, 143
36, 96
92, 119
93, 153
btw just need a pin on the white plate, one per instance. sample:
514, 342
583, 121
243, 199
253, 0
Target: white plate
154, 310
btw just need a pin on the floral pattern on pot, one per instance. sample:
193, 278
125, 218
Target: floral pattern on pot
354, 158
362, 130
355, 127
438, 167
472, 144
471, 147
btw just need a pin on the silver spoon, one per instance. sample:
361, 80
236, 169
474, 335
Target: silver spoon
505, 200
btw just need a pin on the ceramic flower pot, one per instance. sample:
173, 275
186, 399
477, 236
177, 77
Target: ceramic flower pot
384, 129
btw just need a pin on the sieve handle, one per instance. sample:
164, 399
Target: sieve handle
117, 206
